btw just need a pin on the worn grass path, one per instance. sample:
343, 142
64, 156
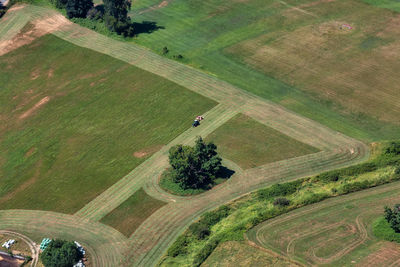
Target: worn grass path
151, 239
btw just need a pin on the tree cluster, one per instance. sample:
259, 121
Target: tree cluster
114, 13
195, 167
392, 216
116, 16
60, 253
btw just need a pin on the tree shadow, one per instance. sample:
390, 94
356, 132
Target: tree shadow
225, 173
145, 27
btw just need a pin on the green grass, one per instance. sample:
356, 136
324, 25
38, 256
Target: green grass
131, 213
63, 153
170, 186
258, 207
233, 253
381, 229
166, 182
389, 4
250, 144
207, 38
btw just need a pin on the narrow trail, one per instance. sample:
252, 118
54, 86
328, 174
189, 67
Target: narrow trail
148, 243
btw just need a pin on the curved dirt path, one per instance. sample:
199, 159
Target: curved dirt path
32, 245
151, 239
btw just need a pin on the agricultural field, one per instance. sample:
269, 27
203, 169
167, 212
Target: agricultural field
87, 120
249, 143
130, 214
77, 121
335, 232
295, 53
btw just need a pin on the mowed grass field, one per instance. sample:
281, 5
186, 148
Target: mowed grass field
294, 53
250, 144
73, 122
335, 232
130, 214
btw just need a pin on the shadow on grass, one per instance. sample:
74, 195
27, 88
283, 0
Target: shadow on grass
145, 27
225, 173
166, 182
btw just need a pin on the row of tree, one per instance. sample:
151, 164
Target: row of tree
114, 13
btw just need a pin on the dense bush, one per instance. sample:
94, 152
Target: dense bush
60, 253
78, 8
205, 252
393, 148
281, 201
96, 13
213, 217
392, 216
178, 247
59, 3
200, 230
333, 176
280, 189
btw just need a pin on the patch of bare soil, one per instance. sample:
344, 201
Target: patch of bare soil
50, 73
40, 28
147, 151
35, 74
35, 107
29, 152
7, 261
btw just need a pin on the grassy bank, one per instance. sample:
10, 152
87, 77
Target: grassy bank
230, 222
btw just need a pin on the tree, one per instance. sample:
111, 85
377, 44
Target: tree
116, 15
392, 216
60, 253
194, 167
78, 8
59, 3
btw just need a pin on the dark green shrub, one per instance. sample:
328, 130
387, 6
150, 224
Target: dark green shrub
280, 189
165, 50
331, 176
205, 252
392, 216
359, 169
356, 186
199, 230
178, 247
281, 201
393, 148
397, 170
78, 8
213, 217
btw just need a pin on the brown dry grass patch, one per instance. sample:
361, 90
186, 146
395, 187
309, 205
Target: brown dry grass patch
352, 68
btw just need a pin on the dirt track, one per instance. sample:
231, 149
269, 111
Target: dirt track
152, 238
287, 243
